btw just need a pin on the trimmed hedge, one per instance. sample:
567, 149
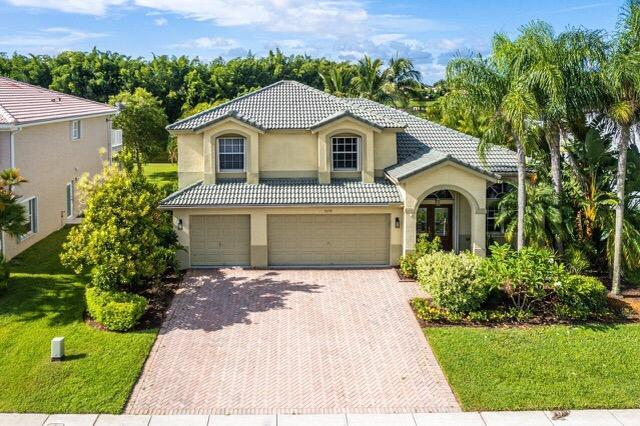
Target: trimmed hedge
117, 311
4, 275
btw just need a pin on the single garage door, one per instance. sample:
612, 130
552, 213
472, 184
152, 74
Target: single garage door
220, 240
328, 239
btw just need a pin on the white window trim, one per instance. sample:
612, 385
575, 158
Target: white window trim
69, 184
29, 233
359, 153
73, 135
244, 155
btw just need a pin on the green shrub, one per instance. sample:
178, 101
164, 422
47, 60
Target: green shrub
117, 311
124, 242
576, 260
4, 275
452, 280
580, 297
425, 311
408, 262
526, 276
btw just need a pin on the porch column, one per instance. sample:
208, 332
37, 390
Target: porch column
409, 231
479, 232
259, 256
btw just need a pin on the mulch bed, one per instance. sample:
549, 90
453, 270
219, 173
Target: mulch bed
403, 278
626, 311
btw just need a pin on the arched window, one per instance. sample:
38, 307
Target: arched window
231, 154
345, 153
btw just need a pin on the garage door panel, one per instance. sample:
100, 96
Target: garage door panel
328, 239
220, 240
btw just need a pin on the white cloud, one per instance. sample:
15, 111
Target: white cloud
386, 38
52, 39
87, 7
160, 22
213, 43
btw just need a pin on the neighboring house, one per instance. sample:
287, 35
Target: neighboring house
52, 138
289, 175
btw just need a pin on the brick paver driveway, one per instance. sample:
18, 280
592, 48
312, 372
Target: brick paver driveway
291, 341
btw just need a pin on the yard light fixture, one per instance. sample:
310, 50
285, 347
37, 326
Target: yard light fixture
397, 222
179, 225
57, 349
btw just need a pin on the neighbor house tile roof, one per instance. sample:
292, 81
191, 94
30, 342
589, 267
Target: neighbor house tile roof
292, 192
22, 103
421, 144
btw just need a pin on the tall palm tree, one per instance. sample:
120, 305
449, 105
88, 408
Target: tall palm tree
490, 87
622, 79
561, 70
369, 81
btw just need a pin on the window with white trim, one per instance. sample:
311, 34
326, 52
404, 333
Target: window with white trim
345, 153
69, 199
231, 154
75, 130
31, 216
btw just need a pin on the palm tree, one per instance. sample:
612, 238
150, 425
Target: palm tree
561, 71
12, 214
403, 81
489, 87
621, 77
369, 81
336, 80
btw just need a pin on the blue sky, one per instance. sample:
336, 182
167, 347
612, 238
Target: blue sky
429, 32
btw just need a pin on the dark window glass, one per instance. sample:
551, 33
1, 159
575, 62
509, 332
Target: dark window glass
345, 153
231, 154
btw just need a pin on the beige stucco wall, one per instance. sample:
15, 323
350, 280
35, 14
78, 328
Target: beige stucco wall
448, 175
49, 159
282, 154
259, 226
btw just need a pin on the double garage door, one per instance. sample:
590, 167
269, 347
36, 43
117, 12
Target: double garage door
293, 240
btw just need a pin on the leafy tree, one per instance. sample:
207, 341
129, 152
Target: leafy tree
369, 81
143, 123
337, 80
621, 76
124, 240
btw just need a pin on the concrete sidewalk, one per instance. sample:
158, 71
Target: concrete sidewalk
503, 418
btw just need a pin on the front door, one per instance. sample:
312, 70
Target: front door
437, 221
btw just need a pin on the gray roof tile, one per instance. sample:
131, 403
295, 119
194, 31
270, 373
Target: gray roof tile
279, 192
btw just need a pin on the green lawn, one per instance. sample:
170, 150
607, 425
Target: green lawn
43, 301
161, 173
541, 367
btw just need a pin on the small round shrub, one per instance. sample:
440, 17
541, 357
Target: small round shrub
452, 280
580, 297
117, 311
408, 262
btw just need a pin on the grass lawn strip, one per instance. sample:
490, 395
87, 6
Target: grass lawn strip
541, 367
43, 301
161, 173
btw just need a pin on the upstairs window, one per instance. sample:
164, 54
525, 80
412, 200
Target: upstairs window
345, 153
231, 154
75, 130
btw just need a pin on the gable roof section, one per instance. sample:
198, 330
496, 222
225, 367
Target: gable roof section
22, 103
422, 142
285, 105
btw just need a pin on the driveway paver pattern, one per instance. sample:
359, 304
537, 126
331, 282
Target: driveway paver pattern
284, 341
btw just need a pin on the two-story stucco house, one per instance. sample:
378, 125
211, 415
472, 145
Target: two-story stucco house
289, 175
52, 138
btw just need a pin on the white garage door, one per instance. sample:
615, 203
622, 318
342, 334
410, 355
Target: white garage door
328, 239
220, 240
